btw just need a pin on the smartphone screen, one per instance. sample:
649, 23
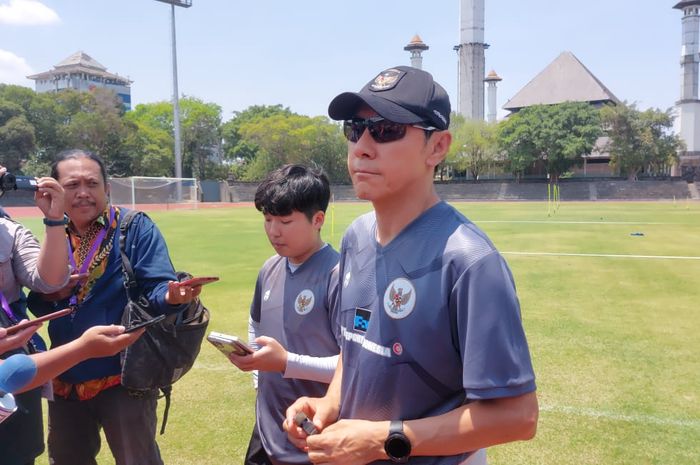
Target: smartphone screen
36, 321
144, 324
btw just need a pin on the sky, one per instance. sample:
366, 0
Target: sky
302, 53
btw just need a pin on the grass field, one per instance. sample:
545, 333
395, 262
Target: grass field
614, 339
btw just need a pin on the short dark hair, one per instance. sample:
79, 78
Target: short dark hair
293, 188
74, 154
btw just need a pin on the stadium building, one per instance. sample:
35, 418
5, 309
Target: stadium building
83, 73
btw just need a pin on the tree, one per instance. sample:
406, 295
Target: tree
234, 147
640, 140
16, 136
474, 146
98, 126
201, 139
558, 135
151, 144
290, 138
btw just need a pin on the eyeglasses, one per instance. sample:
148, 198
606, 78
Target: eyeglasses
382, 130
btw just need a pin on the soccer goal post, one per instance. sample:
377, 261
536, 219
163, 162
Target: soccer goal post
144, 190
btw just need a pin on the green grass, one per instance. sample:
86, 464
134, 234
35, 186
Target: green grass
614, 341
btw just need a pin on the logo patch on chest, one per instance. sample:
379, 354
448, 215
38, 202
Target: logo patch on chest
399, 298
361, 321
304, 302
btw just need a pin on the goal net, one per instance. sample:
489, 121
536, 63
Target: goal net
140, 190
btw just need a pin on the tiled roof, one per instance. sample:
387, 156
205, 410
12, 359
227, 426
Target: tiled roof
565, 79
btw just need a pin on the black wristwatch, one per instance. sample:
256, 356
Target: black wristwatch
62, 222
397, 446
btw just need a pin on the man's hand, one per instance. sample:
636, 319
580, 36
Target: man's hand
16, 340
49, 198
270, 357
104, 341
349, 442
67, 290
178, 294
320, 410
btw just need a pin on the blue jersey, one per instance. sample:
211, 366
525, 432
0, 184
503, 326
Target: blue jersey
430, 321
297, 309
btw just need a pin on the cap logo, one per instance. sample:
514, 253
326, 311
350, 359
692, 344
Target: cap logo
386, 80
439, 115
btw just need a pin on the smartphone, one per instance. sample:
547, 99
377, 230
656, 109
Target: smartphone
36, 321
144, 324
229, 344
199, 281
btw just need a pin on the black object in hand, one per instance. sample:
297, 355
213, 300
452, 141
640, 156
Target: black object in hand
304, 423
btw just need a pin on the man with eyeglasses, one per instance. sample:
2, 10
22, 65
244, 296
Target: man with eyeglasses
435, 366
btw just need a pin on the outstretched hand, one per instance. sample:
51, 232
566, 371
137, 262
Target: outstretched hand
104, 341
17, 340
181, 294
270, 356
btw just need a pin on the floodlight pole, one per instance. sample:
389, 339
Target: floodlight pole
176, 95
176, 109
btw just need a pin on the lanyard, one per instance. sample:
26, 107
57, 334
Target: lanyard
7, 309
90, 255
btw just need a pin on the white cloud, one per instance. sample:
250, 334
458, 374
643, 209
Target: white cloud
27, 13
13, 69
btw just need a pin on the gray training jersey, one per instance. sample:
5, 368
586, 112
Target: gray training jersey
297, 309
429, 322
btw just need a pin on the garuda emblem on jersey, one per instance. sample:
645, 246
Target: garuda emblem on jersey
399, 298
304, 302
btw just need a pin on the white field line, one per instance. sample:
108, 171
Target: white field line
570, 222
647, 419
603, 255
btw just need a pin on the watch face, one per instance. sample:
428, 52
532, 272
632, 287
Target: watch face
398, 447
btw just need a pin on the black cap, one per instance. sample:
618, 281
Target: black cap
401, 94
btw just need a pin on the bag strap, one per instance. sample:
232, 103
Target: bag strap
127, 270
167, 390
131, 285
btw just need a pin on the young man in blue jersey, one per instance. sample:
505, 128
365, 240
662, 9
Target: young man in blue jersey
292, 314
434, 364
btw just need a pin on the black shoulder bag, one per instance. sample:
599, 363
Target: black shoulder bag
167, 350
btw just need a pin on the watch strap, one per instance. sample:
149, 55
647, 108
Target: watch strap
62, 222
397, 446
396, 426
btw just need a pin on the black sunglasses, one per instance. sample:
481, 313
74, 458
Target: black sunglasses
382, 130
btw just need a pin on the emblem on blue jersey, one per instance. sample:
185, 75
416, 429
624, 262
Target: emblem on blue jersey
399, 298
304, 302
361, 321
346, 280
266, 297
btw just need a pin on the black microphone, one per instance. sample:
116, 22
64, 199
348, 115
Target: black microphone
15, 373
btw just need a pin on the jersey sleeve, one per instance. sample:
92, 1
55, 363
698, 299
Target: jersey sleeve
495, 355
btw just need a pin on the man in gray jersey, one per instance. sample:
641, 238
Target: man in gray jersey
292, 317
434, 365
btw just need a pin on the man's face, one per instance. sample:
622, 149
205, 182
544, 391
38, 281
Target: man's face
86, 192
294, 236
386, 171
